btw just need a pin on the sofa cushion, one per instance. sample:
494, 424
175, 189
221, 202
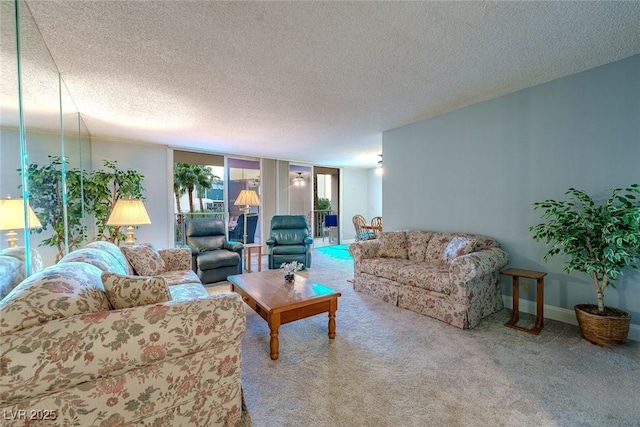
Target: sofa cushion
417, 242
188, 292
145, 260
431, 277
179, 277
393, 244
114, 251
435, 248
458, 246
384, 267
289, 250
95, 257
61, 290
133, 291
216, 259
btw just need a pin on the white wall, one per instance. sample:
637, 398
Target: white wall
355, 200
374, 190
152, 162
479, 169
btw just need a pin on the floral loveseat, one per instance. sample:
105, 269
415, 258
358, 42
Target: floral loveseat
453, 277
69, 358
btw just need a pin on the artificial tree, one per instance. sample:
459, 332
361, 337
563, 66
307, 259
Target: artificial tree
600, 240
102, 190
51, 208
95, 192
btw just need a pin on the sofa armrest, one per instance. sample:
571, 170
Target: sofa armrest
64, 353
176, 259
465, 268
364, 250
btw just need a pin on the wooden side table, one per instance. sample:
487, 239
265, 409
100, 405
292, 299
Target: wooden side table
517, 273
249, 247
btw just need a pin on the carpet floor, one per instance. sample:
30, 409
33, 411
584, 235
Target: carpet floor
391, 367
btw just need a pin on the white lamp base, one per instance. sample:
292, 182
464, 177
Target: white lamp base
130, 239
12, 238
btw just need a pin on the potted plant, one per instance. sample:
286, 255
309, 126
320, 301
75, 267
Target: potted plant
600, 240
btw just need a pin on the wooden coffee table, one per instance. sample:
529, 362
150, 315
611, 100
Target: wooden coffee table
279, 302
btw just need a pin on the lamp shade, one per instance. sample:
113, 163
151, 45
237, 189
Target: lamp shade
12, 215
247, 198
128, 212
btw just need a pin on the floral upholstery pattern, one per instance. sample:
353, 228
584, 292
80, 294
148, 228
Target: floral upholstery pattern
56, 292
457, 246
133, 291
179, 277
436, 246
175, 363
95, 257
417, 241
145, 260
453, 277
65, 348
114, 251
176, 259
393, 244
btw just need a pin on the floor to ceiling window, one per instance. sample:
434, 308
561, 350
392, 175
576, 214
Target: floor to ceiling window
243, 200
198, 186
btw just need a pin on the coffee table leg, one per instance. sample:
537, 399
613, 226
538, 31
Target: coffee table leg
274, 343
332, 318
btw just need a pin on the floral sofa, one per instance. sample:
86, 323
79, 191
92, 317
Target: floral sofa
12, 267
68, 357
453, 277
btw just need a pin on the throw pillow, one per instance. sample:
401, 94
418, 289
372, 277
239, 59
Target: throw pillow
133, 291
393, 244
458, 246
435, 248
145, 260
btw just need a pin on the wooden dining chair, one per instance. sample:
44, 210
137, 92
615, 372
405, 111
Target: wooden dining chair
359, 224
376, 223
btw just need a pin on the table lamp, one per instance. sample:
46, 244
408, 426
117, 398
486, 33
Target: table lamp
12, 218
128, 212
247, 198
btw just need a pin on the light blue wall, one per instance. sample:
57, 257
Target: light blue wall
480, 168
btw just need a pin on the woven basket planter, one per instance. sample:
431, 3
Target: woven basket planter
603, 330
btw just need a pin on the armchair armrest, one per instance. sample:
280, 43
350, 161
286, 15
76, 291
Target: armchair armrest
464, 269
177, 259
64, 353
234, 246
270, 241
308, 241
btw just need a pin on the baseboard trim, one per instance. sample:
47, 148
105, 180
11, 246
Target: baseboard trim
560, 314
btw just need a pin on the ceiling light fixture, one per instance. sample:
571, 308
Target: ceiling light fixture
298, 180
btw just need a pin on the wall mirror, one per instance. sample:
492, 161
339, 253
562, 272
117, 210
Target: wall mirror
38, 124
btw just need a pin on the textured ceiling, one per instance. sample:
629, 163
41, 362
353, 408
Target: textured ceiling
312, 81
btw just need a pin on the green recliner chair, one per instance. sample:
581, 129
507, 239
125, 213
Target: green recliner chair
213, 256
289, 241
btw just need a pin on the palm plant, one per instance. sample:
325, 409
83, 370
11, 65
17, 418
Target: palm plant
205, 179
